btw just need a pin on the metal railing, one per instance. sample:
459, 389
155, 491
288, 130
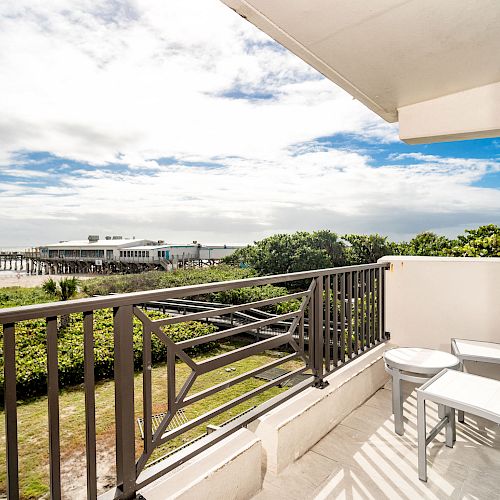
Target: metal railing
343, 309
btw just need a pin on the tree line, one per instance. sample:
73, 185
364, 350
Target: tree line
302, 251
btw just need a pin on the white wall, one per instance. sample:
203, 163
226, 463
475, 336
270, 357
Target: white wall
470, 114
229, 470
215, 253
429, 300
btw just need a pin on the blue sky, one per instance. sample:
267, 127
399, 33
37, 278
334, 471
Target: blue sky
180, 121
383, 154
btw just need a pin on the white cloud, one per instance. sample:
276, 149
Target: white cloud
130, 82
86, 79
244, 199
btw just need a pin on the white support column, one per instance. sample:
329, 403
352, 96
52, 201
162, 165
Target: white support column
471, 114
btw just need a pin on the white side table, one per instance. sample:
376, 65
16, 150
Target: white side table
413, 364
454, 390
474, 350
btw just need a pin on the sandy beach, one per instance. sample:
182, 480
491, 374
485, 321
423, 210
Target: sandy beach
14, 278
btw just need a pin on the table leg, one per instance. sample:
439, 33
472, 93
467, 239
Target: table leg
461, 417
392, 396
422, 438
397, 402
454, 426
441, 411
450, 427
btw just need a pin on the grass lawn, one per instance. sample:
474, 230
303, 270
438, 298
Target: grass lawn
33, 434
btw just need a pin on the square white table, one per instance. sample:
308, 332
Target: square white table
474, 350
454, 390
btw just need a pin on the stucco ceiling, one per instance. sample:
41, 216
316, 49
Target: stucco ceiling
388, 53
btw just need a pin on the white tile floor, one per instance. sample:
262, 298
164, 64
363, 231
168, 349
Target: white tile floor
363, 458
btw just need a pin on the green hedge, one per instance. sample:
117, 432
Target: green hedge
16, 296
153, 280
158, 279
31, 359
255, 293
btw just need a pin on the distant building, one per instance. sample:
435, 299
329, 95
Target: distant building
91, 248
121, 249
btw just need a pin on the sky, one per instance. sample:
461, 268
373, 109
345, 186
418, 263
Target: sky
178, 120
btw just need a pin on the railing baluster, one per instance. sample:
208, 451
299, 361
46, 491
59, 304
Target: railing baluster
90, 433
53, 403
335, 322
124, 401
311, 330
327, 323
374, 308
368, 309
318, 329
10, 404
363, 308
349, 315
356, 311
342, 318
377, 303
382, 303
374, 314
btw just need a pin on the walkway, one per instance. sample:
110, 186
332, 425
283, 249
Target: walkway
363, 458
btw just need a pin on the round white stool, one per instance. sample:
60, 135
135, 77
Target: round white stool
413, 364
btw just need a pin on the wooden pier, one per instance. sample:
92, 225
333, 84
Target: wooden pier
12, 261
34, 263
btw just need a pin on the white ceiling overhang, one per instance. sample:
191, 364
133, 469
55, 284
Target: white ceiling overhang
432, 65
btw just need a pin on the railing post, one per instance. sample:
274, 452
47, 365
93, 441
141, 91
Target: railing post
318, 333
124, 401
53, 410
382, 303
10, 402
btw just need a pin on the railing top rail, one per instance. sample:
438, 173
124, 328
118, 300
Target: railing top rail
51, 309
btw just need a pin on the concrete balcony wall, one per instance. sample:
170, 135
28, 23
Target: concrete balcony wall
429, 300
230, 469
291, 429
234, 468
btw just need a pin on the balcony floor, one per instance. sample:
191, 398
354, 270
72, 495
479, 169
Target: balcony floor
363, 458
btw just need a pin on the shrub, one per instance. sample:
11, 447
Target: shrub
288, 253
255, 293
159, 279
17, 296
481, 242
